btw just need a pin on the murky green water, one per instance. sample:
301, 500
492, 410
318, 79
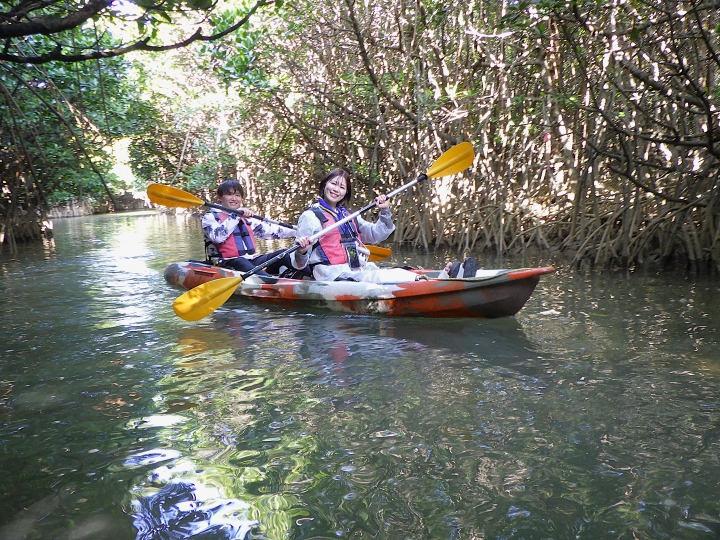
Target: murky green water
591, 414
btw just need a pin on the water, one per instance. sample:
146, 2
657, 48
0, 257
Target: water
591, 414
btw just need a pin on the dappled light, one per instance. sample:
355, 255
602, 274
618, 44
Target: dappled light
595, 129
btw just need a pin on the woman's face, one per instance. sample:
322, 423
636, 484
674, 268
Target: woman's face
231, 200
335, 191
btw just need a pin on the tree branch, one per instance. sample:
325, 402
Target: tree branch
48, 24
42, 26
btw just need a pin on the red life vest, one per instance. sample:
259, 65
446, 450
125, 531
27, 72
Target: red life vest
240, 242
331, 249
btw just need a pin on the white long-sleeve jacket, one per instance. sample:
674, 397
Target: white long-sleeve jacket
370, 233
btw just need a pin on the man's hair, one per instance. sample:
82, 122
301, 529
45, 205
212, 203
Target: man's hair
228, 187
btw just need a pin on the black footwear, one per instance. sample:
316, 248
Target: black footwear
454, 268
470, 266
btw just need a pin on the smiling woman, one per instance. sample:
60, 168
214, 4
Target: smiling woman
342, 255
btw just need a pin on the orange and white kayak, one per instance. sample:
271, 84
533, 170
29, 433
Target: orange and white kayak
491, 294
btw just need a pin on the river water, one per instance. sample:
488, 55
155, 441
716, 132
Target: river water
592, 414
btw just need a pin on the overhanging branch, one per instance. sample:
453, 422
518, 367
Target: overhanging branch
43, 26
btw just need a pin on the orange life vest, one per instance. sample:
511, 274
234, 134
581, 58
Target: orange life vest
240, 242
332, 249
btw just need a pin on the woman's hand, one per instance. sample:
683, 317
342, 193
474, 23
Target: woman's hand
305, 243
382, 202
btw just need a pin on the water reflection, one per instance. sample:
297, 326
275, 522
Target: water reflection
464, 422
171, 506
267, 415
329, 343
185, 510
592, 414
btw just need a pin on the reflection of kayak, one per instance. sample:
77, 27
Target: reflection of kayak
493, 293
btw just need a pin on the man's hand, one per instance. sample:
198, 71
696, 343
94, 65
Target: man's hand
241, 212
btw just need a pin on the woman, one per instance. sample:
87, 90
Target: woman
230, 238
340, 254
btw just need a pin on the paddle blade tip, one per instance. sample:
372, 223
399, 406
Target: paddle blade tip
163, 195
183, 310
455, 160
201, 301
152, 193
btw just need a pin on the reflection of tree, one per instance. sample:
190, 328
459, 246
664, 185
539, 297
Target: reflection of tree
373, 427
293, 417
168, 508
177, 511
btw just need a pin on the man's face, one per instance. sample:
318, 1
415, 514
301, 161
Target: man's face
231, 200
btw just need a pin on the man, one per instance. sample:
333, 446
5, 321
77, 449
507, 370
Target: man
230, 237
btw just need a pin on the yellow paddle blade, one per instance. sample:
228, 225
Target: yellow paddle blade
455, 160
173, 197
204, 299
378, 253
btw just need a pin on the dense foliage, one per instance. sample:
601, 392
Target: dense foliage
595, 124
70, 95
55, 125
44, 32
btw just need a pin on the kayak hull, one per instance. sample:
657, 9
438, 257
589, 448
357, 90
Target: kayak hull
494, 294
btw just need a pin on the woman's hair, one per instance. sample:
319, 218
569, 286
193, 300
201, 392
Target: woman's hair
228, 187
337, 173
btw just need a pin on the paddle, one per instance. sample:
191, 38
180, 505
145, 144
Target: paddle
177, 198
206, 298
378, 253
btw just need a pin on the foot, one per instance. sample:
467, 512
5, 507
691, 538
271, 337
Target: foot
470, 266
453, 268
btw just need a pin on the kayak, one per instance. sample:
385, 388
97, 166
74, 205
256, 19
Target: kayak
491, 294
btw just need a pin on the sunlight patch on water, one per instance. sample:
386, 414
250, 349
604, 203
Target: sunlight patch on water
190, 510
156, 421
151, 457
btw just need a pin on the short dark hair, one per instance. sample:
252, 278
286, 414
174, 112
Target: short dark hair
228, 187
337, 173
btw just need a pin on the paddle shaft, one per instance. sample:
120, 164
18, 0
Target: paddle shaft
240, 213
334, 226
